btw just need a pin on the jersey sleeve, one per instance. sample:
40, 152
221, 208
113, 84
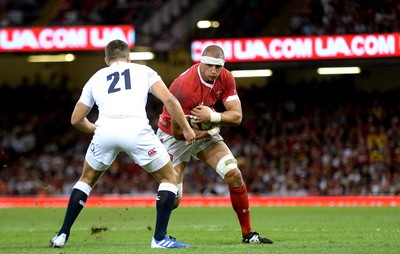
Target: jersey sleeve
230, 93
153, 78
86, 95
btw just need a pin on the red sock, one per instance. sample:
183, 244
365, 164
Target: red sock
240, 203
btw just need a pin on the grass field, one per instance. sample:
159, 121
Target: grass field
209, 230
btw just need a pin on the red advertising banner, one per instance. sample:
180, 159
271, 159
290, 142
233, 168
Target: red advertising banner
303, 47
207, 201
63, 38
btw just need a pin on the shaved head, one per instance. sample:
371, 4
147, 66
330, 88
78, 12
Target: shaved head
214, 51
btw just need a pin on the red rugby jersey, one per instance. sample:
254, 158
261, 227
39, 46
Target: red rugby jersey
191, 90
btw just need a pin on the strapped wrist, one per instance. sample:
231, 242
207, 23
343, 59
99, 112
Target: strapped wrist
214, 131
215, 117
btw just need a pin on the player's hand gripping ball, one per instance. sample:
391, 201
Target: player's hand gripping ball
204, 126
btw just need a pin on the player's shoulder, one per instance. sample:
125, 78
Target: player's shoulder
133, 66
226, 76
189, 73
141, 68
137, 65
124, 65
226, 73
99, 74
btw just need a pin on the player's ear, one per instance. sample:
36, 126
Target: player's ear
105, 60
128, 58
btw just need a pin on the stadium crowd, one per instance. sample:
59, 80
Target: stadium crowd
19, 13
320, 17
312, 138
94, 12
308, 139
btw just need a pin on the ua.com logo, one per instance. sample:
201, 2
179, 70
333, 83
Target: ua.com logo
152, 152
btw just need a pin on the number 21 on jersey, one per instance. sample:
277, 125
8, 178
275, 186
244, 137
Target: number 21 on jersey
114, 77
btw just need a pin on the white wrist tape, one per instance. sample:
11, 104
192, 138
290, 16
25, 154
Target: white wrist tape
180, 190
215, 117
214, 131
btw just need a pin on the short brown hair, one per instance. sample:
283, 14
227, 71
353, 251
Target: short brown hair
116, 49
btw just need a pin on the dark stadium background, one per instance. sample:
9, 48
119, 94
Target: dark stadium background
302, 133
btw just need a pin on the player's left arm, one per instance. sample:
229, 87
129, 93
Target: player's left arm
233, 114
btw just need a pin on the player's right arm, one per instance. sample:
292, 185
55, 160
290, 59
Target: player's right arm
160, 90
177, 132
79, 118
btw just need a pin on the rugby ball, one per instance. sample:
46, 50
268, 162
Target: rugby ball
202, 126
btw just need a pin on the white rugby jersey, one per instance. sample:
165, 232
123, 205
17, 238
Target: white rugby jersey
120, 90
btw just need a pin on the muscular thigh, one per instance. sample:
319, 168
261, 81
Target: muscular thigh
212, 154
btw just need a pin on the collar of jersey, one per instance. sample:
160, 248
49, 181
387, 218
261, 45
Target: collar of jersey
118, 62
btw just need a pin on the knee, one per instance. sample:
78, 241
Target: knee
227, 168
234, 178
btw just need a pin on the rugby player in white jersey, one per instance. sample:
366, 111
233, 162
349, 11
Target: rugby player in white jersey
120, 91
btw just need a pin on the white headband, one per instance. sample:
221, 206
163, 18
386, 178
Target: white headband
212, 60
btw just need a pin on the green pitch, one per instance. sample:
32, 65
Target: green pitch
208, 230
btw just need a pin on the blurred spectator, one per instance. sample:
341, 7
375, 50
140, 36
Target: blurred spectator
19, 13
104, 12
319, 17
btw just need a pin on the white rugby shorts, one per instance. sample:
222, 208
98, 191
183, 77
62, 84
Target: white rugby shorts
140, 144
180, 152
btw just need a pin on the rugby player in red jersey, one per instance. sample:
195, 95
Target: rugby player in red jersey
198, 89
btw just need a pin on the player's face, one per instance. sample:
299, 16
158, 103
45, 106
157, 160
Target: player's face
210, 72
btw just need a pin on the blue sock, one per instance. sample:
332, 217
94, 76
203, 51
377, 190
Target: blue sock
165, 201
76, 203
